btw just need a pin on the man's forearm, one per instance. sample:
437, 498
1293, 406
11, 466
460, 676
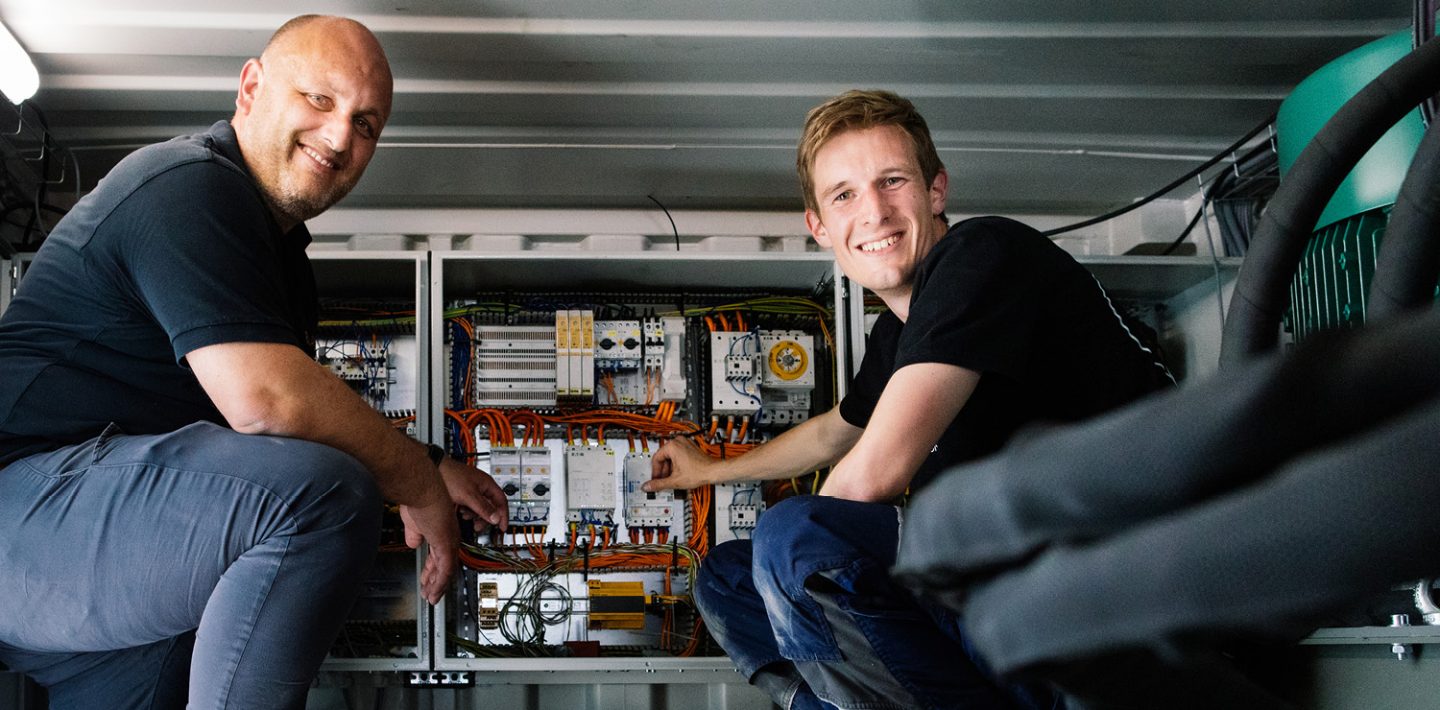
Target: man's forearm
817, 443
916, 407
297, 398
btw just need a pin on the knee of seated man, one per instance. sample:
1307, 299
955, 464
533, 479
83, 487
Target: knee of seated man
338, 489
792, 521
794, 530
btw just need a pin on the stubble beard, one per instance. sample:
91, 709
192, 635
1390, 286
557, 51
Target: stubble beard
294, 201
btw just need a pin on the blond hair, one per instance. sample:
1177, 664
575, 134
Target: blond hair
855, 110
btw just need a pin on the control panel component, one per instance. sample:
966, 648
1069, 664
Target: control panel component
523, 475
515, 366
604, 609
768, 374
620, 377
789, 359
673, 382
617, 605
645, 510
652, 341
738, 508
574, 354
487, 605
590, 485
734, 370
365, 365
617, 344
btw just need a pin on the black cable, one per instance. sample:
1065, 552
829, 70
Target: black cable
1188, 228
1238, 193
1165, 190
41, 190
672, 221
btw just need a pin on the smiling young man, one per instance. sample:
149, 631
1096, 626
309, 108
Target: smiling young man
990, 327
188, 501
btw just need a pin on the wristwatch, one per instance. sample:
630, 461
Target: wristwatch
435, 453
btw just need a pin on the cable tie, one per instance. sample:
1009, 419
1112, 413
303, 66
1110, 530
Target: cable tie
585, 553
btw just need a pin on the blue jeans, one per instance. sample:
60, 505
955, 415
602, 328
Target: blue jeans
133, 565
808, 613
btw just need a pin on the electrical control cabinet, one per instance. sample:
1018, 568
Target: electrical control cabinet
374, 335
591, 362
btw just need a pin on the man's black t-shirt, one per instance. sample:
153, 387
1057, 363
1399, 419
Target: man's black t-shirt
174, 250
996, 297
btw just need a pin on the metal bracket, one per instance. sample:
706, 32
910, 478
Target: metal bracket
439, 679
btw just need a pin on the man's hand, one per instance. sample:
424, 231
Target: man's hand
679, 464
475, 492
433, 523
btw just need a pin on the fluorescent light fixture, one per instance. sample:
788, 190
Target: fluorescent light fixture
18, 78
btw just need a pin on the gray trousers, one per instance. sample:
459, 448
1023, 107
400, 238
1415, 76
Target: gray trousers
138, 570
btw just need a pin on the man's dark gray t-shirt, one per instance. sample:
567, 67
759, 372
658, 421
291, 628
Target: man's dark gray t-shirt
174, 250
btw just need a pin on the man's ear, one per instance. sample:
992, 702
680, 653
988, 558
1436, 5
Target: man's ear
250, 78
817, 228
938, 188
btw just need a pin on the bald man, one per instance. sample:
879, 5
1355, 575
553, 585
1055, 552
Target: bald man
188, 502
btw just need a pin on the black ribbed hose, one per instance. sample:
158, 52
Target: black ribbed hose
1409, 261
1252, 326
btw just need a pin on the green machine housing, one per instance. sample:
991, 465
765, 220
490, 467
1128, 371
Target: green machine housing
1333, 280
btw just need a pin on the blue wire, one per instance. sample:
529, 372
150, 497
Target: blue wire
760, 405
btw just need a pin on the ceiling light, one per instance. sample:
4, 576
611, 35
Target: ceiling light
18, 78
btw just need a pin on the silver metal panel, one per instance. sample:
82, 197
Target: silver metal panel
402, 276
1158, 278
1374, 635
1036, 107
635, 271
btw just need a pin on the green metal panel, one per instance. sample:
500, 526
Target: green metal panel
1333, 281
1375, 181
